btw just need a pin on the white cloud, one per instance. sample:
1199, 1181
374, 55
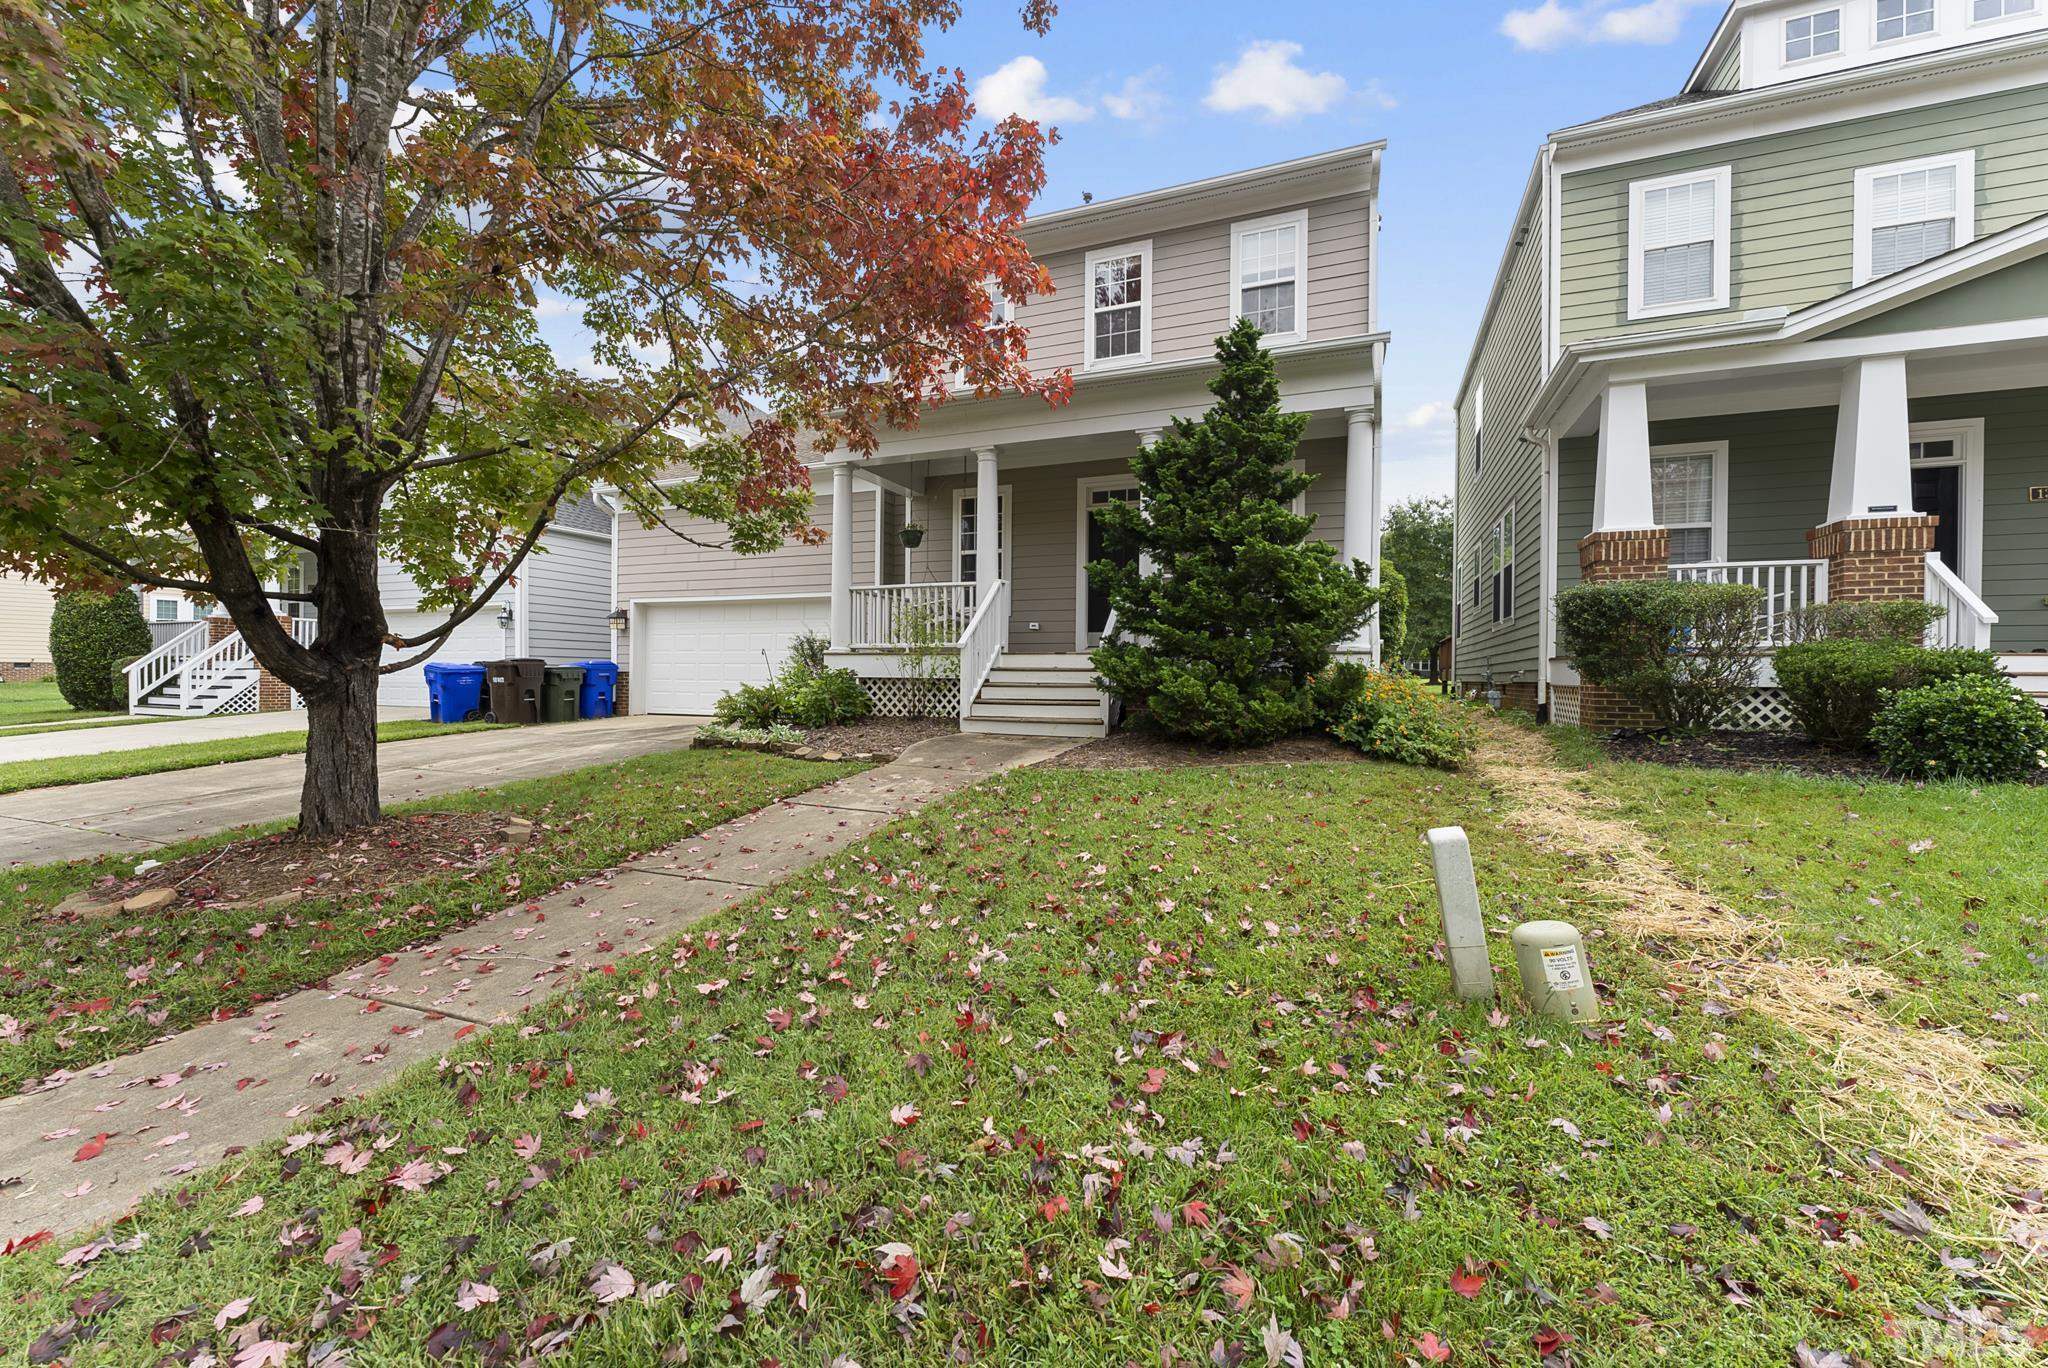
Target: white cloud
1139, 100
1423, 417
1018, 87
1553, 24
1421, 452
1267, 78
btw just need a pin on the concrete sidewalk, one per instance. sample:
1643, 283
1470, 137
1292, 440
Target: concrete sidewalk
189, 1101
170, 732
152, 810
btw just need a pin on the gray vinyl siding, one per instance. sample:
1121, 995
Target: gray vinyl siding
656, 563
568, 593
1510, 365
1190, 290
1793, 209
1779, 465
1726, 74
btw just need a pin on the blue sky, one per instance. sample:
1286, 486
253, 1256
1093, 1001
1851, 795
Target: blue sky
1149, 93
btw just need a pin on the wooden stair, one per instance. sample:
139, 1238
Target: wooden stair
1039, 695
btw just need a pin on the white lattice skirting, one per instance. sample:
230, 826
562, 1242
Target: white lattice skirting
914, 697
246, 701
1761, 710
1564, 705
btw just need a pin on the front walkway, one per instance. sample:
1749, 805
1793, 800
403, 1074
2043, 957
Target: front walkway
190, 1101
147, 811
98, 740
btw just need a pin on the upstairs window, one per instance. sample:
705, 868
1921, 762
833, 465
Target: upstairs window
1910, 212
1479, 428
1678, 244
1898, 19
1119, 305
1001, 310
1984, 11
1269, 275
1813, 35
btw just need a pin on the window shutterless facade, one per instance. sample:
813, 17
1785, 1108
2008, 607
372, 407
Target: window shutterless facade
1898, 19
1678, 244
1986, 11
1813, 35
1269, 275
164, 609
1120, 305
1504, 566
967, 534
1689, 498
1909, 212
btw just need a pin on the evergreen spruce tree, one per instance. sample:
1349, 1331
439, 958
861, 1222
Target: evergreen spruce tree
1239, 610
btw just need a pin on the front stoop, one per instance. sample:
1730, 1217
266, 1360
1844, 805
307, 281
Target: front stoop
1038, 695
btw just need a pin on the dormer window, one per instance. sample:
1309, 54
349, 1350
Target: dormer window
1813, 35
1898, 19
1985, 11
1269, 275
1119, 309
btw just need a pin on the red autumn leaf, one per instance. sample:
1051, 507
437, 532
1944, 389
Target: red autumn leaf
1195, 1212
900, 1270
1548, 1341
463, 1031
91, 1148
1433, 1349
1054, 1209
1238, 1287
1468, 1284
1155, 1079
27, 1242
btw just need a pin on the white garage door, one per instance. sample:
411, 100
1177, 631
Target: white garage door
479, 638
690, 653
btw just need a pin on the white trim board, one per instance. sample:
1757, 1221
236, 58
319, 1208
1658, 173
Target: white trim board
1968, 435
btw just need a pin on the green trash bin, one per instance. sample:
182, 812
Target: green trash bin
561, 688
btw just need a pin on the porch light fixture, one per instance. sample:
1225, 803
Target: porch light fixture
616, 619
505, 616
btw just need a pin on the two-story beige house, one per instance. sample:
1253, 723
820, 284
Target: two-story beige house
1787, 328
999, 494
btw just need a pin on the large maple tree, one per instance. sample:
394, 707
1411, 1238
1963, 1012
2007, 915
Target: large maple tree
273, 277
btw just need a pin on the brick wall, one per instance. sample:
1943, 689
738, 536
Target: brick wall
1875, 558
1520, 697
26, 671
1613, 557
272, 693
621, 699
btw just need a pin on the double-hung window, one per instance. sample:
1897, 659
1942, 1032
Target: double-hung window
1269, 275
1120, 305
164, 609
969, 533
1911, 211
1504, 567
1479, 428
1678, 229
1813, 35
1898, 19
1985, 11
1002, 310
1685, 490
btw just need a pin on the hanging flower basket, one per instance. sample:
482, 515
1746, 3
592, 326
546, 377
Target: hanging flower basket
912, 534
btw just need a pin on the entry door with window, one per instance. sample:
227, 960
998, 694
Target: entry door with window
1938, 490
1093, 548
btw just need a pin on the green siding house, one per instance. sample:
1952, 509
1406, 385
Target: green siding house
1787, 328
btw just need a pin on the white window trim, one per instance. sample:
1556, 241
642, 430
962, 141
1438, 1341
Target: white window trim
1009, 542
1143, 251
1974, 22
1083, 488
1719, 451
1968, 435
1788, 61
1501, 542
1878, 42
1298, 220
1965, 164
1003, 309
1723, 178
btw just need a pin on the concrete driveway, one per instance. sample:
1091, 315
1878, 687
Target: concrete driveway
174, 731
148, 811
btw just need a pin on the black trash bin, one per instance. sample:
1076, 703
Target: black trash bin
560, 693
513, 689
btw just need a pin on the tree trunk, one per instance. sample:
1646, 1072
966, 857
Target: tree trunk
340, 792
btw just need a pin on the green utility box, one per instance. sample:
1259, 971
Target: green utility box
561, 686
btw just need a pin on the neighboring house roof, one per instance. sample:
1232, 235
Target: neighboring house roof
1691, 97
584, 514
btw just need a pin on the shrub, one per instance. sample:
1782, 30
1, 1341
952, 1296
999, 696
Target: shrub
1836, 686
88, 633
808, 650
750, 705
1334, 693
1903, 621
1396, 717
1966, 727
117, 676
1686, 652
725, 734
825, 698
1393, 612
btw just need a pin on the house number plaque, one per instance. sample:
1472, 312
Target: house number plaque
2038, 494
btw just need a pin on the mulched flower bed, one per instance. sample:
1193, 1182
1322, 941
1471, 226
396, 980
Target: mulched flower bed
1747, 751
1127, 750
282, 866
883, 737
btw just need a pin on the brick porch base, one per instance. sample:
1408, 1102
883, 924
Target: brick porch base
1875, 558
26, 671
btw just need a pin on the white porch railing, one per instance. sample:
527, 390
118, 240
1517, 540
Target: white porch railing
1789, 588
149, 673
911, 614
982, 643
1969, 619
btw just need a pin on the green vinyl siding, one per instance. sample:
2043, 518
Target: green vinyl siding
1778, 470
1726, 74
1793, 210
2005, 296
1510, 365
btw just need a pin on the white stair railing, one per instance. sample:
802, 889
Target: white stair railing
911, 614
983, 643
1969, 620
1789, 589
148, 673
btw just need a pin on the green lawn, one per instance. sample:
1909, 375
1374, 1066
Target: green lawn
26, 705
19, 775
71, 992
1088, 1068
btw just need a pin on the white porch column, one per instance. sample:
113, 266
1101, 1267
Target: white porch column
842, 556
1362, 510
1873, 474
1146, 437
1621, 483
988, 524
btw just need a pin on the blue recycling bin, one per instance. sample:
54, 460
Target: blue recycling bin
455, 693
600, 687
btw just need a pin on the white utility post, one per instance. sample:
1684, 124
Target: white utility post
1457, 894
1873, 474
842, 556
988, 525
1621, 482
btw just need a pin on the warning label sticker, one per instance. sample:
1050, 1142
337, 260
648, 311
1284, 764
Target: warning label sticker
1561, 967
